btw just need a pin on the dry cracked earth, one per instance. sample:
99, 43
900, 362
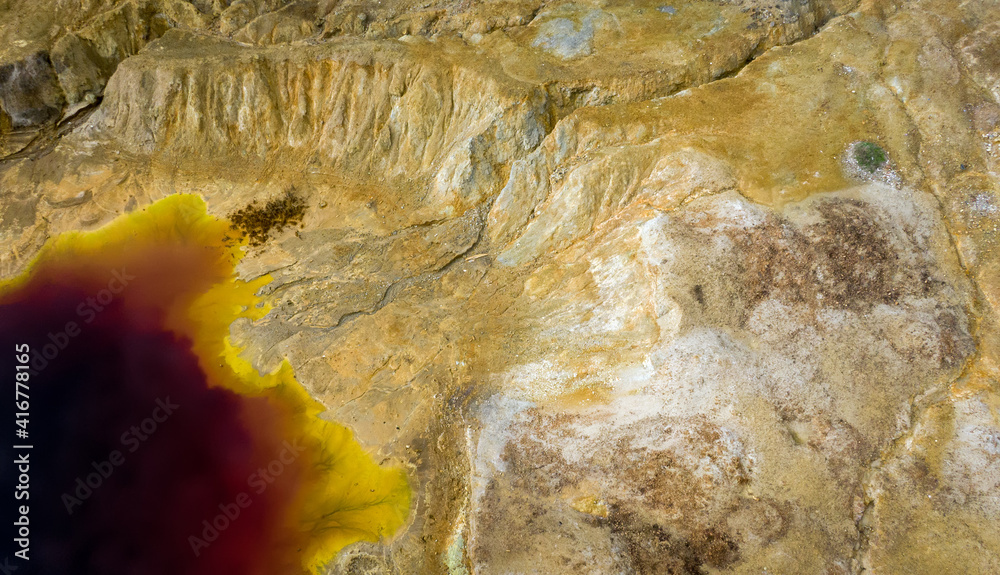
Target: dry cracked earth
627, 287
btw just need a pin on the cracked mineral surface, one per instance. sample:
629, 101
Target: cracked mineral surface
625, 287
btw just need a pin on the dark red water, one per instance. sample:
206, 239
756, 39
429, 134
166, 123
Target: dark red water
138, 465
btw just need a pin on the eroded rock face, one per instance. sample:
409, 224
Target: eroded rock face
606, 277
78, 52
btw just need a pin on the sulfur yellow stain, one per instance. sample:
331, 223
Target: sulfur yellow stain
345, 497
590, 505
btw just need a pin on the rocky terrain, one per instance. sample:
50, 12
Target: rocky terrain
627, 287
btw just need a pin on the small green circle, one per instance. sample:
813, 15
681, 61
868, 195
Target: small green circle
869, 156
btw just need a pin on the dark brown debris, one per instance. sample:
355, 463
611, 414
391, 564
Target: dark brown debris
256, 223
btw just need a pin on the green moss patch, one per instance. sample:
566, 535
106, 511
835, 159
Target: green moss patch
869, 156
